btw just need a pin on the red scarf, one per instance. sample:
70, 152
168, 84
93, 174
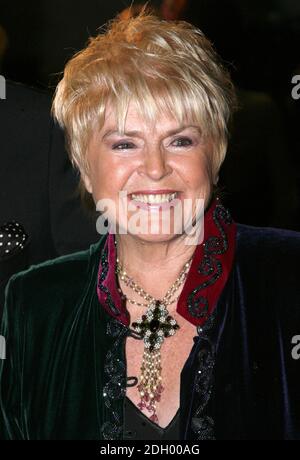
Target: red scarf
207, 276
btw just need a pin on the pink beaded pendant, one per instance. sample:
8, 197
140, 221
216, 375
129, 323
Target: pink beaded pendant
150, 388
154, 327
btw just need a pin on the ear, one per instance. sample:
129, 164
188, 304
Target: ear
87, 182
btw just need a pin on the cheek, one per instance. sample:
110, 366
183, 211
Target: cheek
108, 178
196, 174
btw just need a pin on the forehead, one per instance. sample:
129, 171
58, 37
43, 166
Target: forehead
135, 119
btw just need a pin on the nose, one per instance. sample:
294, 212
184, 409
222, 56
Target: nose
155, 164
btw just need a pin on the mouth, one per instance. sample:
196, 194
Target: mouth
154, 198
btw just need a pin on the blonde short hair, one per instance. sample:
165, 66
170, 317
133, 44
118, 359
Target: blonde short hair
161, 66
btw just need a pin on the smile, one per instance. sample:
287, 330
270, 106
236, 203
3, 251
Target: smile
154, 199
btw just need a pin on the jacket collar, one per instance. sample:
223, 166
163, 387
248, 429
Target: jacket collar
211, 265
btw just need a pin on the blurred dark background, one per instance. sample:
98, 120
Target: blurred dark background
259, 42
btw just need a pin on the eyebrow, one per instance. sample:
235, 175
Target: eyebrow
135, 133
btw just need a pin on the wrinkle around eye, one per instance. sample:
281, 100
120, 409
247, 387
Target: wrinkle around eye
123, 146
184, 142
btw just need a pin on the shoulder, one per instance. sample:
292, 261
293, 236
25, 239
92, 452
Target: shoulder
22, 107
67, 268
268, 259
25, 120
54, 284
23, 98
266, 242
267, 268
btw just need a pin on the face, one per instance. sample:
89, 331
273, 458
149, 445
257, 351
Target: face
157, 167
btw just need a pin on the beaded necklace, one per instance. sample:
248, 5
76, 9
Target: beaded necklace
154, 326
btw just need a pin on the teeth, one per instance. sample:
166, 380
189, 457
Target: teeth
153, 199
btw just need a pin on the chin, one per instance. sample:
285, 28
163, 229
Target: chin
152, 238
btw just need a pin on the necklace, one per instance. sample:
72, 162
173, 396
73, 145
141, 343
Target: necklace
154, 326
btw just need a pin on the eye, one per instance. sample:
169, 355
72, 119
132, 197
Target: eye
182, 142
123, 146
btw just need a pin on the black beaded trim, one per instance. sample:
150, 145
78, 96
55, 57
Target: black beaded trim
104, 271
198, 306
115, 380
202, 424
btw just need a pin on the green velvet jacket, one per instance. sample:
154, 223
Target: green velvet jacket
65, 377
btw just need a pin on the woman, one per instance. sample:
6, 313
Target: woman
153, 334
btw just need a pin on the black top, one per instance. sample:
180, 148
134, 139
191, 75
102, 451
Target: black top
138, 426
230, 389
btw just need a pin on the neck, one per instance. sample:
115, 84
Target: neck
164, 260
